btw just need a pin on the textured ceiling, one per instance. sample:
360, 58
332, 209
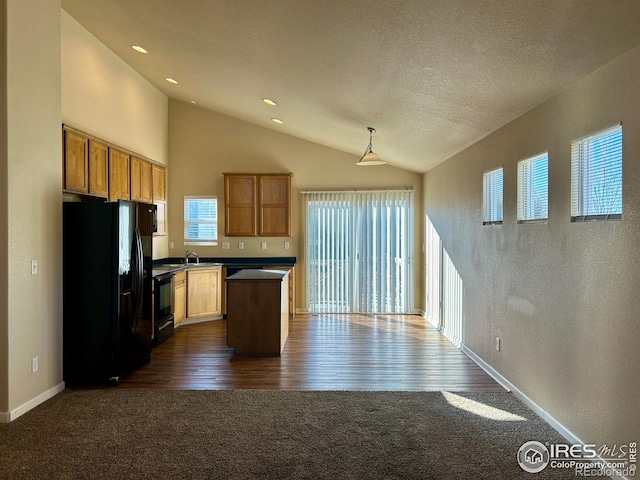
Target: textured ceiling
432, 76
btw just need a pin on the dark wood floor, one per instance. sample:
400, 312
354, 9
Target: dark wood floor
323, 352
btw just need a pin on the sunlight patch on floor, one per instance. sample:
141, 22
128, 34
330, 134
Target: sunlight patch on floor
480, 409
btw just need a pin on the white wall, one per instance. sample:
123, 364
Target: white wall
32, 209
563, 297
105, 97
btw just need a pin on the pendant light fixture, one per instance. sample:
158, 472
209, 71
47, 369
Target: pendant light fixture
369, 157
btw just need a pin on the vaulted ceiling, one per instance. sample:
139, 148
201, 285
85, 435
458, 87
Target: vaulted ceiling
432, 76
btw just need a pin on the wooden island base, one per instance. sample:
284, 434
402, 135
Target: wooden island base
258, 312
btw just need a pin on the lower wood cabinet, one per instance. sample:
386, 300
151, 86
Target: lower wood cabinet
180, 301
203, 292
292, 286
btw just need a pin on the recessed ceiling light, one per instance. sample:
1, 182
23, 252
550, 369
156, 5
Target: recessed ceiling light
171, 80
138, 48
277, 120
268, 101
194, 102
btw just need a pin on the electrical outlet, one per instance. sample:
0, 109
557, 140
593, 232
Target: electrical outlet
34, 364
171, 245
498, 344
225, 245
263, 245
286, 245
34, 267
240, 245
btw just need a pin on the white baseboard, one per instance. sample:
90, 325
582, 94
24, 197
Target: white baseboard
507, 385
7, 417
418, 311
552, 422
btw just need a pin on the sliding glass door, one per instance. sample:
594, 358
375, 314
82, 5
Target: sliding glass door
359, 251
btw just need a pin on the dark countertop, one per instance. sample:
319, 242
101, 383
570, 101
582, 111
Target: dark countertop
160, 266
251, 274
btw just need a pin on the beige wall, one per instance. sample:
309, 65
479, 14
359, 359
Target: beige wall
103, 96
204, 144
563, 297
32, 208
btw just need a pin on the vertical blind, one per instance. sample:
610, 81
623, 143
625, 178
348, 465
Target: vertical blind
596, 175
359, 251
533, 188
492, 196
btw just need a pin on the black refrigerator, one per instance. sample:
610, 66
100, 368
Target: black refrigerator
107, 311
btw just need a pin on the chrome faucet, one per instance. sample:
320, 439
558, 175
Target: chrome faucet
188, 254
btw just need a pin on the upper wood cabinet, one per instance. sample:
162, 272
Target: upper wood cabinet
98, 168
257, 204
76, 162
159, 183
159, 194
240, 195
274, 205
92, 167
86, 165
141, 183
119, 175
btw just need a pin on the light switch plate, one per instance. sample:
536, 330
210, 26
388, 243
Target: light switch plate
263, 245
225, 245
286, 245
34, 267
240, 245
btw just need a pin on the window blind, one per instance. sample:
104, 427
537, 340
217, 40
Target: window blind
200, 220
359, 251
596, 175
533, 188
492, 196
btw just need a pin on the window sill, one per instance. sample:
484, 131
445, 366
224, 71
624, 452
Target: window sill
534, 221
596, 218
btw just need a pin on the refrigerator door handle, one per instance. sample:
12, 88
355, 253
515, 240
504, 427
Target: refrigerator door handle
138, 273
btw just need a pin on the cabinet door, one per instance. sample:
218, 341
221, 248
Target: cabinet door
119, 175
240, 205
141, 186
203, 292
159, 183
275, 205
98, 169
180, 302
76, 164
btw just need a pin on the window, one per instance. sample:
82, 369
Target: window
533, 188
200, 220
492, 197
596, 176
359, 251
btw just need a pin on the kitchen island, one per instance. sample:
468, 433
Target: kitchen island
258, 312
